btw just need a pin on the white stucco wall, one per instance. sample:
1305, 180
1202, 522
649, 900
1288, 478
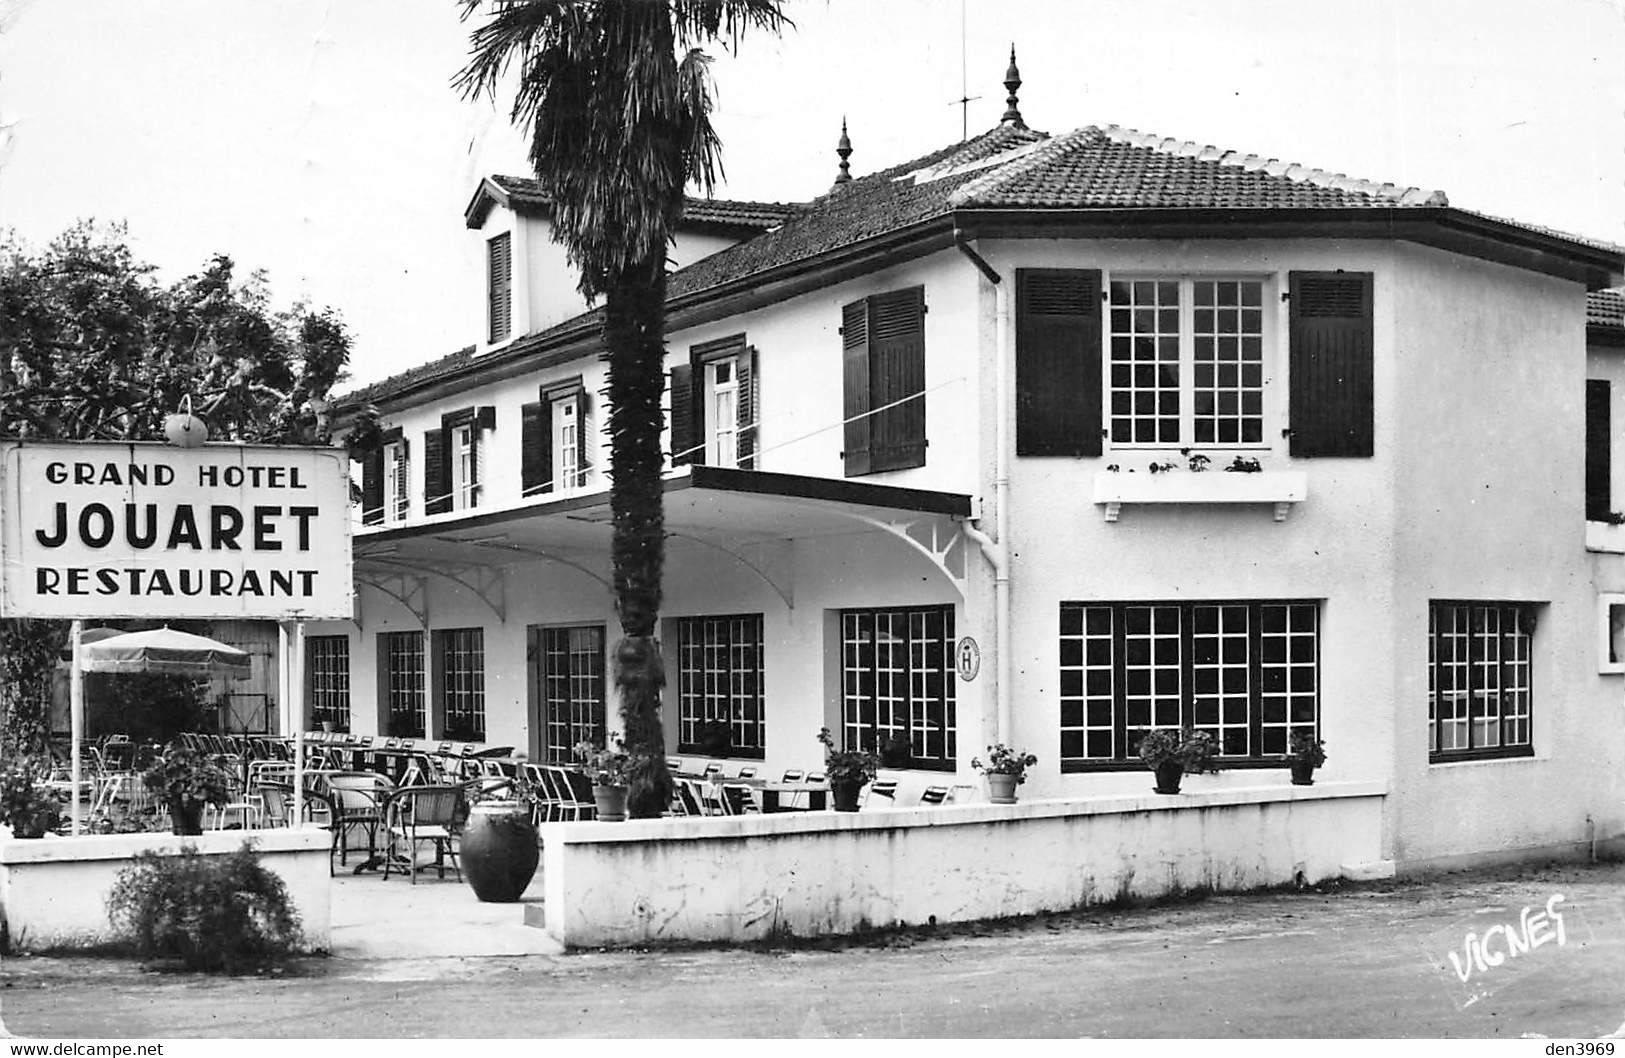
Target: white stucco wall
53, 891
753, 877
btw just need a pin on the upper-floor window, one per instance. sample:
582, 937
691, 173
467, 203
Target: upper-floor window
452, 477
1479, 679
715, 400
556, 440
883, 382
1247, 673
383, 481
1183, 361
396, 494
499, 287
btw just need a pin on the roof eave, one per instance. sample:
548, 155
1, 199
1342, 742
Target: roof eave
1439, 226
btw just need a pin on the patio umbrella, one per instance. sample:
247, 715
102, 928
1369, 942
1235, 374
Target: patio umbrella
163, 650
91, 635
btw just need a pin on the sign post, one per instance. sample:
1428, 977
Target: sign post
143, 530
76, 723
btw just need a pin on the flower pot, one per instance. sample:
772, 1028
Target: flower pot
498, 851
611, 801
327, 726
1302, 774
1169, 772
844, 792
35, 826
1001, 789
186, 817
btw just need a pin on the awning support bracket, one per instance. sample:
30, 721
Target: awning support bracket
409, 589
785, 591
485, 582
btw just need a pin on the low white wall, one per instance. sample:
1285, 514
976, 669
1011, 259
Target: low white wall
749, 877
53, 891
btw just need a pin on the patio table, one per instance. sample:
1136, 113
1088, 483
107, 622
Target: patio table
772, 801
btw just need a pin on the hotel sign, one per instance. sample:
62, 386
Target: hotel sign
150, 530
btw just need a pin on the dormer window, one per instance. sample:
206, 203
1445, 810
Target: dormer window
499, 287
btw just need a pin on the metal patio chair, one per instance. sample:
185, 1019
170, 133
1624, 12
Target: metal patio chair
418, 814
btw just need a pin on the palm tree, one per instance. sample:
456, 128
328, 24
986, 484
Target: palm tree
617, 99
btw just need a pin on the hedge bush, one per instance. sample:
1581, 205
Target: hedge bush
212, 913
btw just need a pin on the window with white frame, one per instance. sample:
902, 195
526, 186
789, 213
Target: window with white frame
1479, 686
464, 466
460, 675
396, 492
403, 683
719, 682
327, 662
1247, 673
1186, 363
567, 440
722, 412
897, 682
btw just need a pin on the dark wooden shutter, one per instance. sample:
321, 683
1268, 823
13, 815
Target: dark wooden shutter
585, 439
1058, 400
1331, 363
897, 373
500, 265
855, 387
436, 473
750, 401
372, 487
1599, 453
536, 448
682, 416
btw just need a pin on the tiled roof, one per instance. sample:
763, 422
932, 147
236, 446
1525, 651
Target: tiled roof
1606, 308
445, 367
523, 191
1118, 168
1009, 167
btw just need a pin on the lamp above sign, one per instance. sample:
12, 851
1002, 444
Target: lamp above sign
148, 530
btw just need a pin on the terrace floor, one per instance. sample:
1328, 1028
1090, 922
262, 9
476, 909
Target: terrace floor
374, 918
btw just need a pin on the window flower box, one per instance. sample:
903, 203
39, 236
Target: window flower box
1280, 488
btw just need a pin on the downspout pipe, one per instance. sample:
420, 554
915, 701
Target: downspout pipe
995, 549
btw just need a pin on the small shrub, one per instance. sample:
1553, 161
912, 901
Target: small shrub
214, 914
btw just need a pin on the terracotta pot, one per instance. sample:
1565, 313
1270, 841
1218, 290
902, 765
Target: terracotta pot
1001, 788
1302, 774
499, 851
844, 792
1169, 772
611, 801
186, 817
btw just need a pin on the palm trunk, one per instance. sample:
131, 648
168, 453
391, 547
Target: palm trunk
634, 321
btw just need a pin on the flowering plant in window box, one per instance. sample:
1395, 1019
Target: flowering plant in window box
1005, 769
714, 737
1172, 753
1304, 754
848, 770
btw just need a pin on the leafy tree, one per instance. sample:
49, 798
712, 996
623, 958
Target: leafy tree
94, 347
617, 98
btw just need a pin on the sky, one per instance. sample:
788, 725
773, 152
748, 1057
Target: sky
321, 140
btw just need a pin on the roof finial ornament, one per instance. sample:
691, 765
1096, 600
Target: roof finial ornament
1012, 81
843, 147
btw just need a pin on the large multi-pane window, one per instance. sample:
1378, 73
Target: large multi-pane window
1186, 362
897, 681
719, 681
1479, 688
403, 683
1247, 673
461, 679
572, 680
327, 663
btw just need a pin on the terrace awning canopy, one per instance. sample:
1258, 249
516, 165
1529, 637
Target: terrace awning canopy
740, 513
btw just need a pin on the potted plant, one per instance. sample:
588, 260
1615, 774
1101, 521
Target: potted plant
714, 738
499, 846
186, 780
895, 751
1005, 769
848, 771
1304, 754
610, 772
29, 806
1172, 753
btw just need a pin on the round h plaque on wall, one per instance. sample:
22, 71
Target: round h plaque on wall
967, 658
